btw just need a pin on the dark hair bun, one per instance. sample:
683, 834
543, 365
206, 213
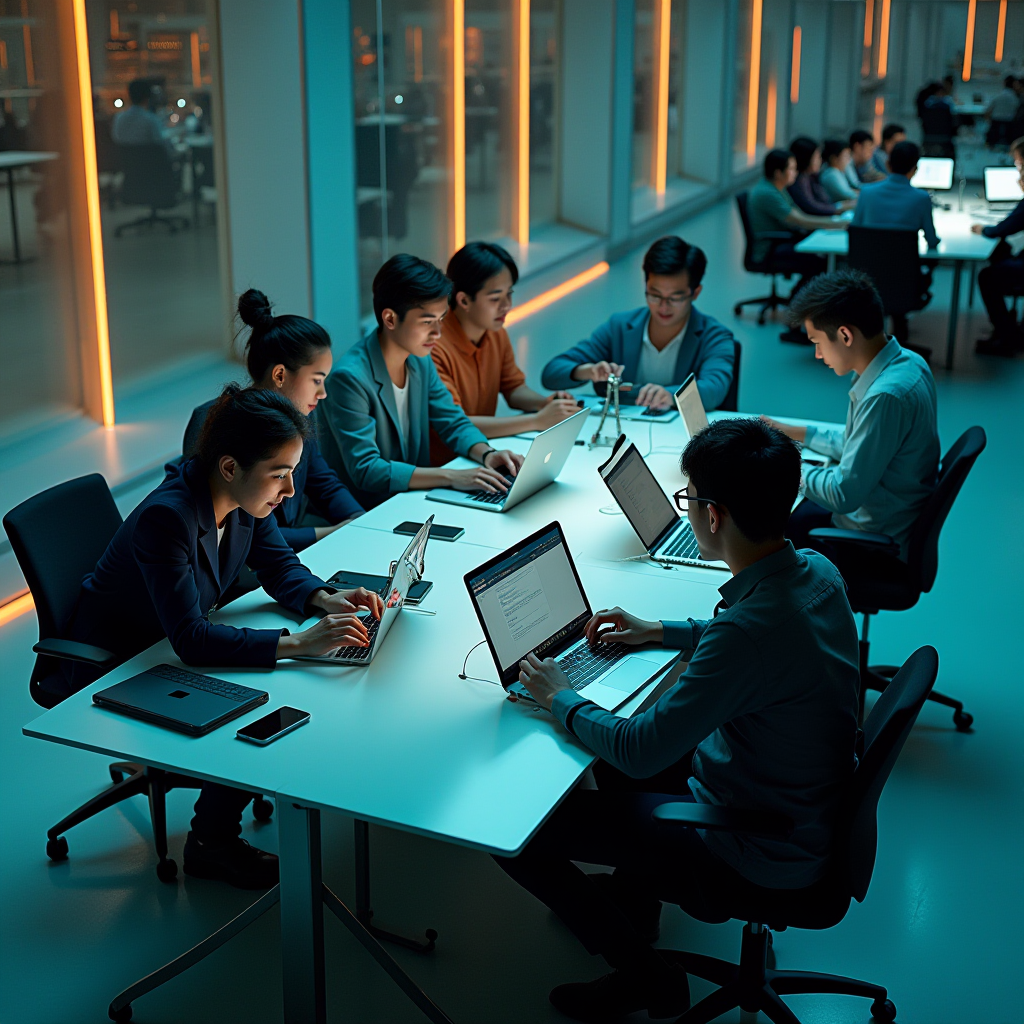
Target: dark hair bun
254, 310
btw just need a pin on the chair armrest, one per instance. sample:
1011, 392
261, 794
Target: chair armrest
777, 236
72, 650
724, 819
858, 538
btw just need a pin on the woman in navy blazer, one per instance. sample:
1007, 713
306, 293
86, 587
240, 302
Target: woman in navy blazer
291, 355
176, 555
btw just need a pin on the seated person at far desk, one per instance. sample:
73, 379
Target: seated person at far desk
887, 457
657, 346
292, 356
769, 700
175, 557
895, 203
474, 357
385, 397
835, 158
1004, 275
807, 191
861, 170
892, 135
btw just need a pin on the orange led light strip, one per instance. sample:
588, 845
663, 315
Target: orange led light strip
458, 123
883, 40
523, 172
664, 38
92, 191
771, 112
554, 294
755, 78
869, 16
1001, 31
972, 11
17, 606
794, 74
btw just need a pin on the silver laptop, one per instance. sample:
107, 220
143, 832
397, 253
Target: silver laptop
1002, 185
544, 461
667, 536
403, 574
690, 407
530, 599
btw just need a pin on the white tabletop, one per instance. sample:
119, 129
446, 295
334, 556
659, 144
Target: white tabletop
16, 158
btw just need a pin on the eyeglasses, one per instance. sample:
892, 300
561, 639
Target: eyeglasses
681, 497
675, 301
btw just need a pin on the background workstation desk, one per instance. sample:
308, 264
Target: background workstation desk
958, 246
404, 742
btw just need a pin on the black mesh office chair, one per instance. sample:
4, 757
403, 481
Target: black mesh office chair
769, 264
150, 179
732, 397
58, 537
877, 579
752, 985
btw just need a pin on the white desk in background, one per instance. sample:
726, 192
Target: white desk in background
957, 246
9, 162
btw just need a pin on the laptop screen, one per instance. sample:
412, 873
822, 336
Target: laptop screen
640, 496
690, 407
933, 172
1002, 185
528, 598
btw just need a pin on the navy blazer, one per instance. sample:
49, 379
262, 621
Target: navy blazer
708, 351
162, 573
327, 496
1009, 225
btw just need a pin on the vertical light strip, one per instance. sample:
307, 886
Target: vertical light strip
417, 54
770, 113
15, 606
92, 197
30, 64
197, 70
972, 10
663, 40
523, 118
876, 128
1001, 31
883, 40
794, 72
869, 22
458, 124
754, 86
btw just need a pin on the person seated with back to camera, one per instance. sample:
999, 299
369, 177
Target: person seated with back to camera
385, 397
769, 701
291, 355
657, 346
887, 456
807, 191
474, 357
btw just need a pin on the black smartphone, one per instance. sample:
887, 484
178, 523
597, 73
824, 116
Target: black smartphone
270, 727
436, 532
418, 591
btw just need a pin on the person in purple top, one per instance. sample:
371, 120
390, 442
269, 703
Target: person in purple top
807, 191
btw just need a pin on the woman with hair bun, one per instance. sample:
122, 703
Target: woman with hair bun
178, 553
292, 356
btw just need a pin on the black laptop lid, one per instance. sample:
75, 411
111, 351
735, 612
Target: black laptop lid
640, 496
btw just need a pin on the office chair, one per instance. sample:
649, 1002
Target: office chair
150, 179
58, 537
891, 260
751, 985
770, 264
878, 579
731, 401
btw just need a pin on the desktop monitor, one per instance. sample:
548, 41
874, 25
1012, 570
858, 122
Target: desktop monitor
1002, 185
934, 172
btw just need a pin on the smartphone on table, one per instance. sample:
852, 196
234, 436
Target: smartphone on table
273, 726
437, 532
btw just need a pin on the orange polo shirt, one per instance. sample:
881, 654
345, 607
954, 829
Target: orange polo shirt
475, 374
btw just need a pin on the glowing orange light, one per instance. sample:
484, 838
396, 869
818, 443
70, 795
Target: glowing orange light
523, 145
869, 18
1001, 31
972, 10
879, 113
554, 294
794, 73
883, 40
663, 38
197, 75
18, 606
755, 79
771, 110
458, 123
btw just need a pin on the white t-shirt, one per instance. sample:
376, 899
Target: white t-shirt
657, 367
220, 534
402, 401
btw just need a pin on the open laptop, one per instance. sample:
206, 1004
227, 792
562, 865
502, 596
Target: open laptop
544, 461
1002, 185
530, 599
934, 173
404, 573
667, 536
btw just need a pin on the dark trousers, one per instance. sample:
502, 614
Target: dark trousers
218, 813
807, 264
806, 516
1005, 277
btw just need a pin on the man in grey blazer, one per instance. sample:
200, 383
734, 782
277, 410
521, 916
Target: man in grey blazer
657, 346
385, 395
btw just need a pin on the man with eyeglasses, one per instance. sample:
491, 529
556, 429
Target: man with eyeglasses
656, 347
769, 701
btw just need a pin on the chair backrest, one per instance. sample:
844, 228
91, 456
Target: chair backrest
748, 231
149, 178
731, 401
58, 537
891, 260
885, 732
923, 551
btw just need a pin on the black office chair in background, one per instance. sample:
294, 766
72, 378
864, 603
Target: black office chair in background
769, 264
877, 579
58, 537
752, 985
732, 397
150, 179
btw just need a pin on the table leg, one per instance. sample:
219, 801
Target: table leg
830, 262
302, 914
954, 312
14, 215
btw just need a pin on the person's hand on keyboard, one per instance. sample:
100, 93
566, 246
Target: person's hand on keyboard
342, 601
654, 396
626, 628
479, 478
330, 633
543, 679
507, 462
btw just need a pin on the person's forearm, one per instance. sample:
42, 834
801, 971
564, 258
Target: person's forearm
504, 426
805, 220
526, 400
425, 477
582, 372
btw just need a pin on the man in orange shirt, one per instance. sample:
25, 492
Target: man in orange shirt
474, 357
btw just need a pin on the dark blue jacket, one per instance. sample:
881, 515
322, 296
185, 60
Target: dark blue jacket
162, 573
1009, 225
708, 351
328, 497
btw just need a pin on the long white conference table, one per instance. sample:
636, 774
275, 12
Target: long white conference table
403, 742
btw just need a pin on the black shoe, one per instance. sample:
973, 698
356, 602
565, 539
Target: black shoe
643, 913
233, 861
995, 346
795, 336
618, 994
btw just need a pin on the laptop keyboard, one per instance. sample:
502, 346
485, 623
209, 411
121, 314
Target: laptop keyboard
684, 545
584, 664
221, 687
354, 653
493, 497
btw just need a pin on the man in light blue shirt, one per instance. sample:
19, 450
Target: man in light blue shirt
887, 457
895, 203
139, 125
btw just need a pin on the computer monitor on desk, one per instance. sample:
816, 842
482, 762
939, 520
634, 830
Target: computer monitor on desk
1002, 185
934, 173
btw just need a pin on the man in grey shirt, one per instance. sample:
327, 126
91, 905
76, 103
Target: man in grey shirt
887, 456
769, 700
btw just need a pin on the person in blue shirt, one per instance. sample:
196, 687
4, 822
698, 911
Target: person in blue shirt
769, 701
895, 203
139, 125
657, 346
386, 395
176, 556
1004, 275
886, 459
292, 356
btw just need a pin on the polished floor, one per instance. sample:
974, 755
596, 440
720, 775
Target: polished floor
939, 927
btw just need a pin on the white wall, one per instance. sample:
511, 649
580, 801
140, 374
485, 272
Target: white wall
703, 99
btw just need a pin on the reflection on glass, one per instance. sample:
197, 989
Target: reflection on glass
643, 93
544, 56
763, 25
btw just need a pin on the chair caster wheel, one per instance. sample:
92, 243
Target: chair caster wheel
262, 809
963, 720
737, 310
116, 776
166, 871
57, 849
885, 1011
121, 1016
431, 935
